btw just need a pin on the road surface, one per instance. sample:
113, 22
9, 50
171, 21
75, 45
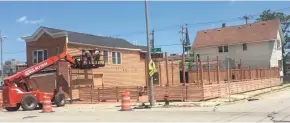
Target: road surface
269, 108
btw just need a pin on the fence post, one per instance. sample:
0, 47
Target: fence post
218, 70
172, 70
117, 93
186, 93
138, 92
270, 78
160, 74
91, 94
208, 70
166, 68
99, 94
183, 69
241, 71
197, 70
228, 79
201, 72
250, 73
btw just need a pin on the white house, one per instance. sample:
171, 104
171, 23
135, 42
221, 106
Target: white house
258, 45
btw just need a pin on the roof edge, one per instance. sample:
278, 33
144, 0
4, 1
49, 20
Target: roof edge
40, 31
76, 43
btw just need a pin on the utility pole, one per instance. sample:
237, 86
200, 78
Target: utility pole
1, 41
151, 94
152, 39
246, 18
183, 50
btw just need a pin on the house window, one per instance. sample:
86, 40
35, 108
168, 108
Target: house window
39, 56
116, 57
57, 50
106, 56
226, 49
220, 49
245, 47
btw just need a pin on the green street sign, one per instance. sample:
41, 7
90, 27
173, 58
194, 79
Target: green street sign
156, 50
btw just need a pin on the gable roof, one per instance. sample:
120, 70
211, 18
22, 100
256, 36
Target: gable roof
89, 39
247, 33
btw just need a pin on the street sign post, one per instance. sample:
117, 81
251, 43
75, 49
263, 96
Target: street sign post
156, 50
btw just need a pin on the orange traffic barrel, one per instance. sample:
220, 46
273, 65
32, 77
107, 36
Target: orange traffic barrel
46, 105
125, 103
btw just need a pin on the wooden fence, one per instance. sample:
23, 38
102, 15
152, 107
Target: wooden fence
192, 92
90, 94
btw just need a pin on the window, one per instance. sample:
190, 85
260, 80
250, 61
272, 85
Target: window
226, 49
220, 49
39, 56
245, 47
198, 57
57, 50
106, 56
116, 57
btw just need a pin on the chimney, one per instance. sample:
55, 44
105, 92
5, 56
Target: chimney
223, 25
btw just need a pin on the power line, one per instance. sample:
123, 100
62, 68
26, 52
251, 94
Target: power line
195, 24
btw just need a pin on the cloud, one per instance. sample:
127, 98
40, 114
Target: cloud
24, 19
19, 39
21, 19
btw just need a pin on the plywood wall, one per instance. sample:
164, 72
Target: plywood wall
173, 72
131, 72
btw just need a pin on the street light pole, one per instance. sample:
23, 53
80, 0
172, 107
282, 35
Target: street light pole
1, 43
151, 94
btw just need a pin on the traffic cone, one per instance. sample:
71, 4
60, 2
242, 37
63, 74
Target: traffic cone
125, 103
46, 105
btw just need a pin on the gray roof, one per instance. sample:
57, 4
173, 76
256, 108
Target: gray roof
143, 48
76, 37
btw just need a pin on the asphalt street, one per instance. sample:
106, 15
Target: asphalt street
274, 107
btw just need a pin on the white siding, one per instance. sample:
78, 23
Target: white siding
256, 55
276, 53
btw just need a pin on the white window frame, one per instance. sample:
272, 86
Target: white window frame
37, 55
117, 57
107, 56
223, 49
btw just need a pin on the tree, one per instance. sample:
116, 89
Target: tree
285, 22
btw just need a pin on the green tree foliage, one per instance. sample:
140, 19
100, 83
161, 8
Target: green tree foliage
285, 22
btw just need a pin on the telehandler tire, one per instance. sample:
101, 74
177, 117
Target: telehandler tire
59, 99
28, 103
13, 108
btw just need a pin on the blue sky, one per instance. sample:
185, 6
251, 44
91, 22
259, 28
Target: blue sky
121, 19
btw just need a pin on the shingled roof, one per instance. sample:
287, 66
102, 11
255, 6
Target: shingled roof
83, 38
247, 33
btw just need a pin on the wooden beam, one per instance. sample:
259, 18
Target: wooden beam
208, 69
166, 68
218, 70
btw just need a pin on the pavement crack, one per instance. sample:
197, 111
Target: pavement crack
27, 117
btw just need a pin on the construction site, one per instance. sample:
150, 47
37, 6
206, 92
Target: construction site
77, 66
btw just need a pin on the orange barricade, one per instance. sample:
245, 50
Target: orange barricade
46, 105
125, 106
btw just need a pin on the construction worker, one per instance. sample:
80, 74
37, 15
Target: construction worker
97, 55
89, 57
83, 61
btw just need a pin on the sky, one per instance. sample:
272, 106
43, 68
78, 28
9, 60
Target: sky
123, 19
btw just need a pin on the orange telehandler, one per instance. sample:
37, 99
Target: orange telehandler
18, 91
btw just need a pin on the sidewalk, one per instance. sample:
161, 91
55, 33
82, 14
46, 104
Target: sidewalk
224, 100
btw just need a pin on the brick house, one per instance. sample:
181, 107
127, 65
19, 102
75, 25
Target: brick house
125, 62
